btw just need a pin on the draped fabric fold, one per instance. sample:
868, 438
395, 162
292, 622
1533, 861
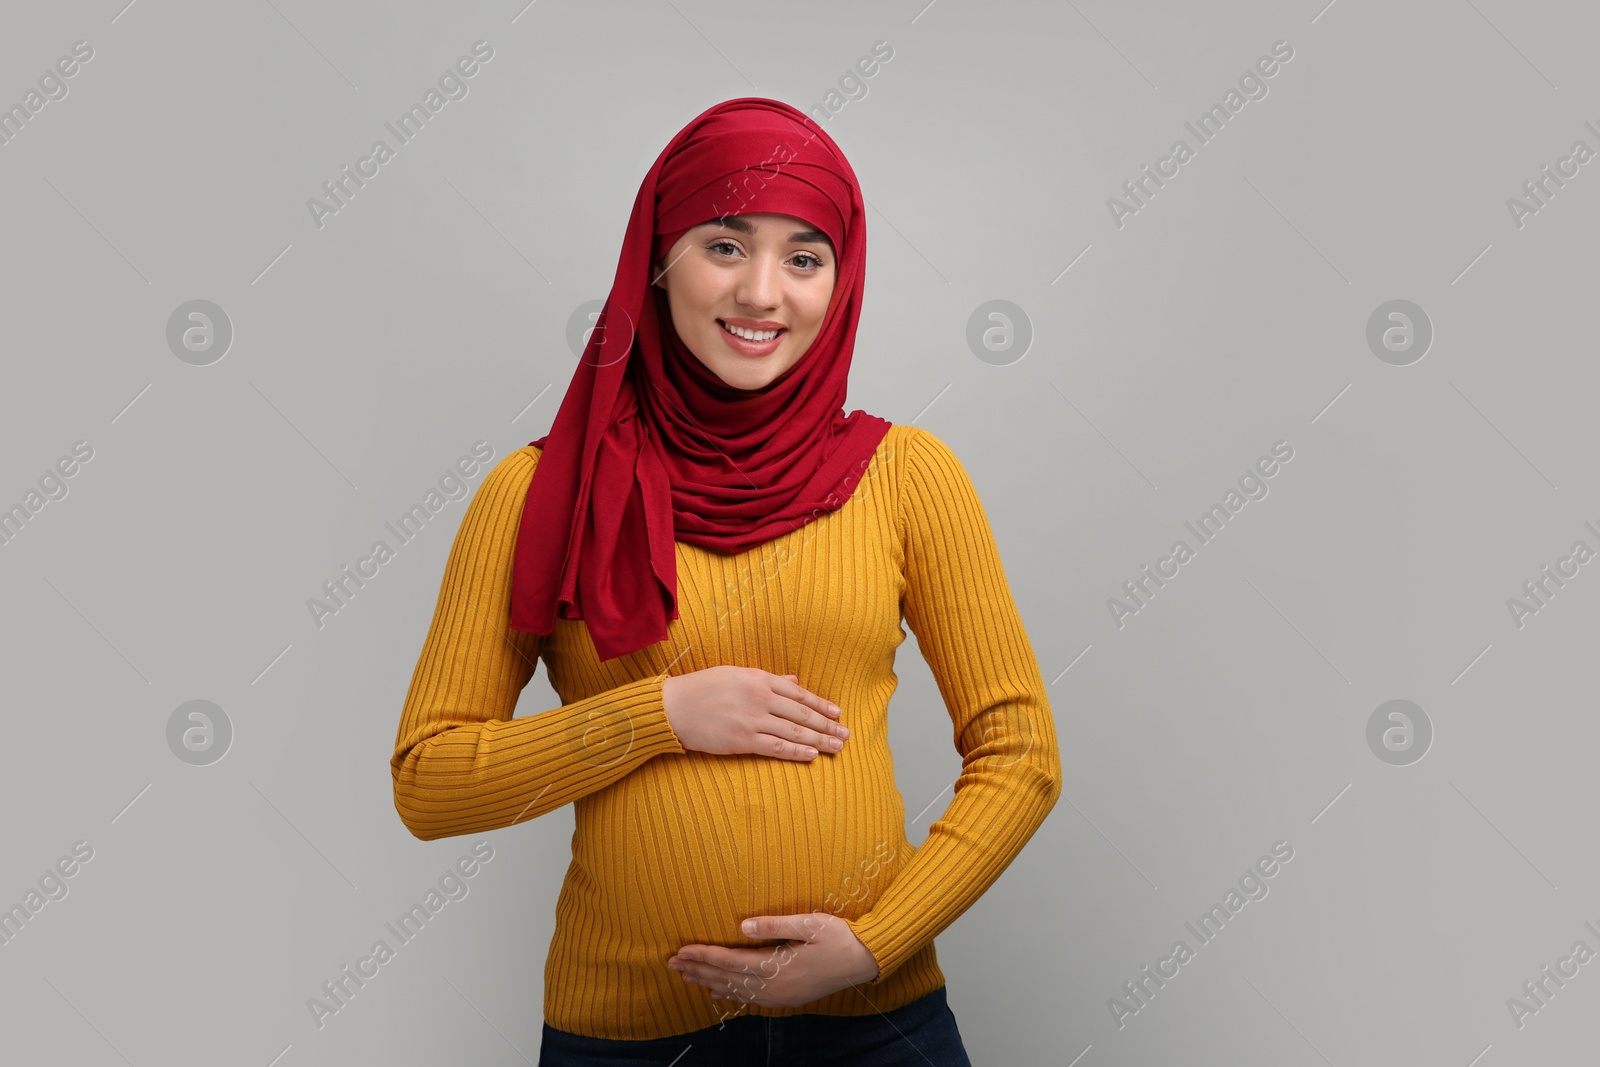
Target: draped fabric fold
648, 446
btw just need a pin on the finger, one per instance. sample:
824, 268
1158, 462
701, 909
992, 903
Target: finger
733, 960
759, 965
736, 993
818, 725
800, 694
763, 962
736, 984
801, 736
767, 744
805, 926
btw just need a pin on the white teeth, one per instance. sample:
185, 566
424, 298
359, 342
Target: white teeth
750, 335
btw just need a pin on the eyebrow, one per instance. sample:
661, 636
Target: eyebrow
734, 222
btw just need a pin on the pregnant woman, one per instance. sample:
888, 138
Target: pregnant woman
714, 561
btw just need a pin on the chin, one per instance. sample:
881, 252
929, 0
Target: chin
747, 374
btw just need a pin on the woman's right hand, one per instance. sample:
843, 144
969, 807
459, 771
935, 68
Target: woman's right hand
728, 710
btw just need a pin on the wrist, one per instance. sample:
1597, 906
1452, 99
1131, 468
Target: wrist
866, 969
666, 695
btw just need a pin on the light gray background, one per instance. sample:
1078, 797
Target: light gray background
1228, 314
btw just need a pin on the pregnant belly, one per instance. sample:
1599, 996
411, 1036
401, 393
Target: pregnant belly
688, 845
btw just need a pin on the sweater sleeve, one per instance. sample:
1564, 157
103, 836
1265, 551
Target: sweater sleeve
461, 763
960, 607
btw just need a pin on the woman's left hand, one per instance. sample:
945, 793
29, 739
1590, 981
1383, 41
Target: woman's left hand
820, 955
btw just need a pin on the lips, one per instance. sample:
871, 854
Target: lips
729, 328
750, 348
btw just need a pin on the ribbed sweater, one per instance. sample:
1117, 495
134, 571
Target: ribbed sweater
674, 847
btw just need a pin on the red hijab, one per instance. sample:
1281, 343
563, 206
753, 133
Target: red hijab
649, 446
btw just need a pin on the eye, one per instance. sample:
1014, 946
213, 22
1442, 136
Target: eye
810, 262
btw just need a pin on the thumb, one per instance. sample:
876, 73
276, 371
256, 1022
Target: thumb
801, 927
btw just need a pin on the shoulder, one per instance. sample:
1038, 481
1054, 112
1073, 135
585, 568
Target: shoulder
921, 457
514, 466
930, 482
506, 485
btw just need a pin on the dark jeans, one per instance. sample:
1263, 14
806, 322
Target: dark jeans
920, 1034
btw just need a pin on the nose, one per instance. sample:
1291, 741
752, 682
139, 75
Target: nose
760, 284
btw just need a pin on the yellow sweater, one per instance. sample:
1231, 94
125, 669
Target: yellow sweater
674, 847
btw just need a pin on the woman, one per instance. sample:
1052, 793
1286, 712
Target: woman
714, 561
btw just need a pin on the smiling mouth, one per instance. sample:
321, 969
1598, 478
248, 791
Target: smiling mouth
755, 336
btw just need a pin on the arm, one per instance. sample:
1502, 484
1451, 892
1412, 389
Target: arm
461, 763
960, 607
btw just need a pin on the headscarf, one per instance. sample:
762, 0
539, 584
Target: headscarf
649, 446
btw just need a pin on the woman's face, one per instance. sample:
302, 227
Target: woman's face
759, 272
